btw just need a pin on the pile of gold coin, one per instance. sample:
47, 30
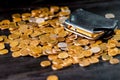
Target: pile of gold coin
41, 33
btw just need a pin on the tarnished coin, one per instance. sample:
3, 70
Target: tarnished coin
95, 49
62, 44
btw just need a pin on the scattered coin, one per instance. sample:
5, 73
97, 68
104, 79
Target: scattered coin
45, 63
52, 77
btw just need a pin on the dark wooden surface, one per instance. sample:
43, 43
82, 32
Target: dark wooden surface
27, 68
6, 5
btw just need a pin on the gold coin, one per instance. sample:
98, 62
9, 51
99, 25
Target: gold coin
35, 33
93, 60
58, 30
118, 44
1, 38
83, 41
23, 28
57, 61
21, 23
12, 26
26, 15
60, 39
25, 41
98, 42
63, 55
63, 13
4, 27
64, 8
57, 66
28, 31
24, 52
73, 37
62, 33
52, 77
87, 53
105, 57
52, 56
34, 42
16, 19
25, 19
117, 31
13, 36
84, 63
4, 22
103, 46
2, 46
17, 15
54, 9
116, 37
35, 13
14, 43
80, 55
15, 48
45, 63
24, 36
112, 43
4, 37
3, 51
67, 62
36, 49
75, 60
113, 52
16, 54
114, 61
21, 45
